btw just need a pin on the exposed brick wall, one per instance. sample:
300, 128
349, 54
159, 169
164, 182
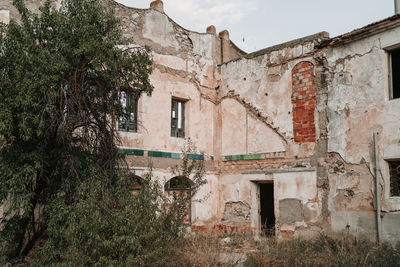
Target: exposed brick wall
238, 166
303, 102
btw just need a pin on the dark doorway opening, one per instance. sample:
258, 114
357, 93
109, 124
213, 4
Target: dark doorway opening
267, 211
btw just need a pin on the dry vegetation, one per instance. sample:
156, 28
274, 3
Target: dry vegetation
321, 251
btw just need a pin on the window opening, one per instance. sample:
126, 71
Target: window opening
137, 183
395, 74
178, 183
177, 118
128, 122
181, 185
394, 168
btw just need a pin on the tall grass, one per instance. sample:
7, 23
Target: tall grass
320, 251
324, 251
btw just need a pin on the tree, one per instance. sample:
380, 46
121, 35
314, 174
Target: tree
61, 74
110, 226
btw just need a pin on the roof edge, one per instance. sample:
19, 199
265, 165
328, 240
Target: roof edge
320, 36
366, 31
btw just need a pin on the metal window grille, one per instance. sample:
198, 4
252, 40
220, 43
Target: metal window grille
394, 167
177, 118
128, 122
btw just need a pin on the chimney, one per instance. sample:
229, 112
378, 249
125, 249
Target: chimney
396, 7
225, 46
211, 29
157, 5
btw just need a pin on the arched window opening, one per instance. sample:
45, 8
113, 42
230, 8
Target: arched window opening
178, 183
181, 185
137, 183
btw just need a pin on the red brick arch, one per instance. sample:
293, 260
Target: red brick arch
303, 102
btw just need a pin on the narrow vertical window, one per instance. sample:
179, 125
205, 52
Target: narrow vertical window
128, 122
395, 74
177, 118
394, 168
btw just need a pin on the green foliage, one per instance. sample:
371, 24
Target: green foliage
61, 74
113, 226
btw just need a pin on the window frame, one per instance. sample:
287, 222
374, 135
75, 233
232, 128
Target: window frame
175, 130
130, 125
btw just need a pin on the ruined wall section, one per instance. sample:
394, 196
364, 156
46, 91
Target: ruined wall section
276, 89
358, 106
262, 84
184, 68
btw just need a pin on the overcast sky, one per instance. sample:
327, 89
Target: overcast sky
257, 24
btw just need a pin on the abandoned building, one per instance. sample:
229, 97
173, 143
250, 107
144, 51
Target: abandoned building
298, 138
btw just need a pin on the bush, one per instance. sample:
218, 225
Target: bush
109, 225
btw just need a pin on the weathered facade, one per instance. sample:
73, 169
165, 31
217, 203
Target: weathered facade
286, 132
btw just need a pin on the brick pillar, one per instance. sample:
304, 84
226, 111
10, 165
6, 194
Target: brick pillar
303, 102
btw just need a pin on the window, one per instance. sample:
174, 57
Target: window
395, 74
181, 185
394, 168
178, 183
136, 185
177, 118
128, 122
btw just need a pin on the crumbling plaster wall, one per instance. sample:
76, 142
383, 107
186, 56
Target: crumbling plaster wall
184, 68
259, 86
358, 106
296, 206
262, 85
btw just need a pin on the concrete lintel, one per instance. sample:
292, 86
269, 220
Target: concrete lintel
279, 171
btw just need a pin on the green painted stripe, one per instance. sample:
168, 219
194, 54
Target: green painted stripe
196, 156
134, 152
159, 154
155, 154
243, 157
175, 155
